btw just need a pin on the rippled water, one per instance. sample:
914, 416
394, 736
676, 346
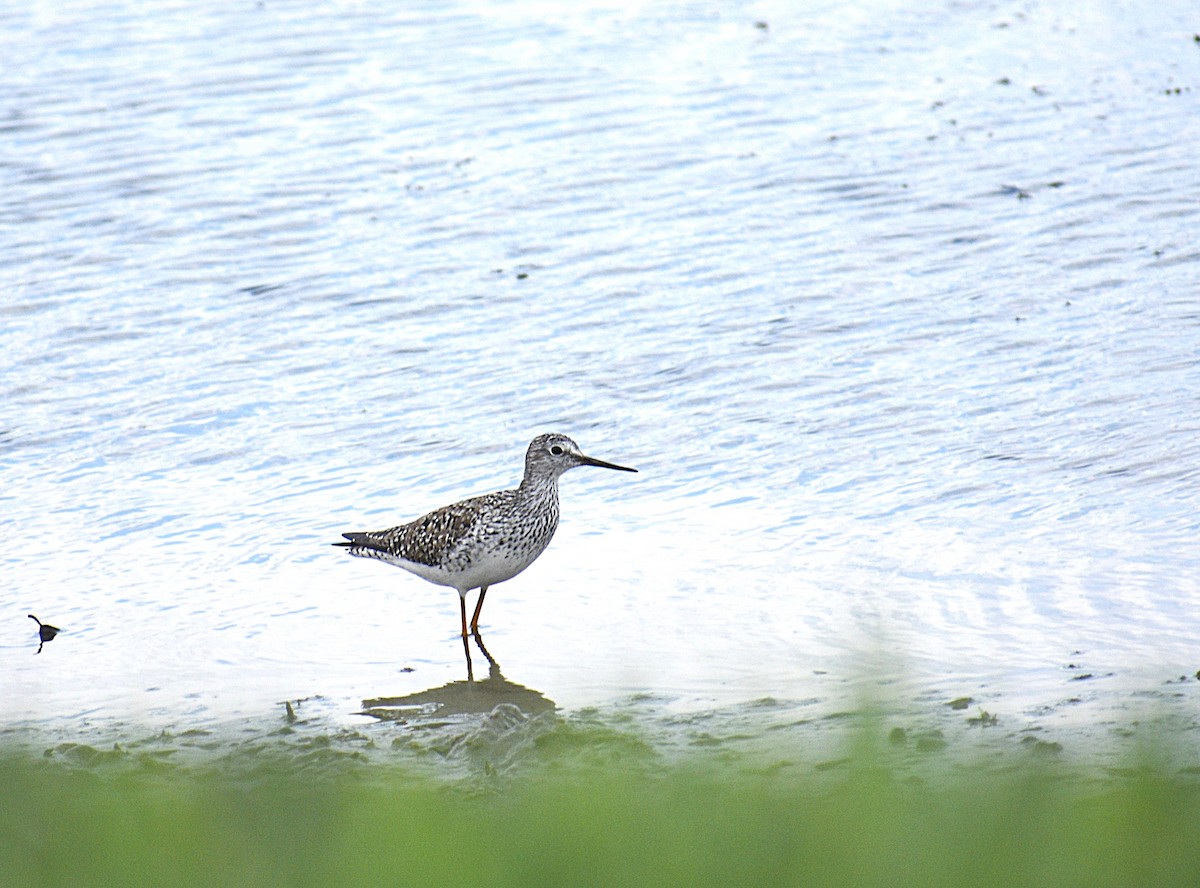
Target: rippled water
895, 309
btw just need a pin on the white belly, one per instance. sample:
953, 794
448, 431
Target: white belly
482, 570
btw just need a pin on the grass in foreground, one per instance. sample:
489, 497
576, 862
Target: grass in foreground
692, 825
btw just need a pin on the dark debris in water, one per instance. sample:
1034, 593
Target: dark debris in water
1014, 191
1184, 679
46, 633
984, 719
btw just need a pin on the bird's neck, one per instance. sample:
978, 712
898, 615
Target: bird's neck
538, 486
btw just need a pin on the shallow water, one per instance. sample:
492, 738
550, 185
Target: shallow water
895, 310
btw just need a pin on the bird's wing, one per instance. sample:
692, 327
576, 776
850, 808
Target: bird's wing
426, 540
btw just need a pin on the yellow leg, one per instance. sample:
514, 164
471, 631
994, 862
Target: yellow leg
475, 618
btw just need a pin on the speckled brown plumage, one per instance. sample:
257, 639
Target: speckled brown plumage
487, 539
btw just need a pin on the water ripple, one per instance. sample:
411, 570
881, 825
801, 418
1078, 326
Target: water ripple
891, 306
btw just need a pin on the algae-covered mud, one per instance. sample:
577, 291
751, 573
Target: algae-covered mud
484, 731
593, 798
876, 780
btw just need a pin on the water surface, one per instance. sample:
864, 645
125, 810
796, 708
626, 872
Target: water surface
895, 310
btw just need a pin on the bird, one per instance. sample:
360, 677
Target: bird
484, 540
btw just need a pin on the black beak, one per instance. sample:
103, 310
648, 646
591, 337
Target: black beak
599, 463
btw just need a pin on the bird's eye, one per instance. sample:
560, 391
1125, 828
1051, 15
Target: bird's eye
556, 450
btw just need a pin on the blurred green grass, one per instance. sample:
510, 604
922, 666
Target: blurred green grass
693, 823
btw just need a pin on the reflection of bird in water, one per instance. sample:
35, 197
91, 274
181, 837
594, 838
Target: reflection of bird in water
493, 666
461, 697
46, 633
487, 539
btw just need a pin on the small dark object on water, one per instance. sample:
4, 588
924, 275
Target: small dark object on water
960, 703
46, 633
1014, 191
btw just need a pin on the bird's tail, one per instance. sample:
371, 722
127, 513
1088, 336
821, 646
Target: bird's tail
363, 543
